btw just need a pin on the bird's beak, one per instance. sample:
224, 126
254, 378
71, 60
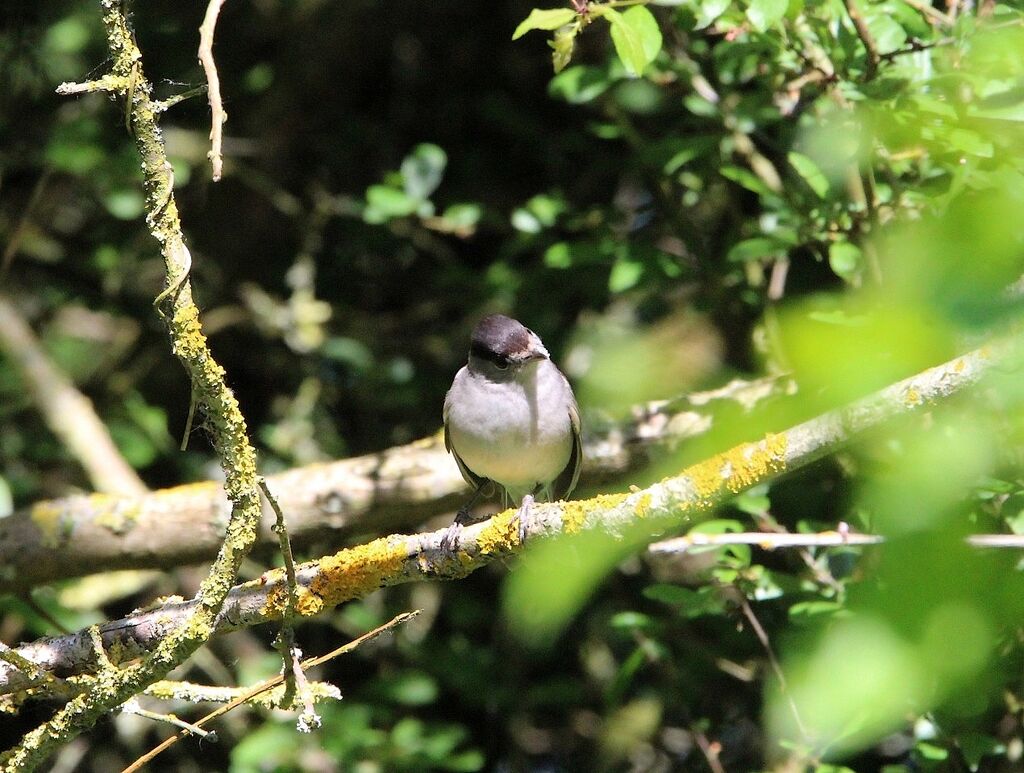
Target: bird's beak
535, 351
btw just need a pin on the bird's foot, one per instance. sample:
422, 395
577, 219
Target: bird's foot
524, 517
449, 544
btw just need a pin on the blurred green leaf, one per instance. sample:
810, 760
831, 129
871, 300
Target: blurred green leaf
758, 248
384, 203
845, 259
125, 203
412, 688
624, 275
423, 169
544, 19
579, 84
764, 13
889, 35
636, 36
810, 173
709, 10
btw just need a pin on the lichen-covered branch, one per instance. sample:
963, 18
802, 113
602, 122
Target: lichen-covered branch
68, 413
226, 424
664, 507
392, 490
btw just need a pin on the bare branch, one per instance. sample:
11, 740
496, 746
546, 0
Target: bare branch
769, 540
68, 413
217, 114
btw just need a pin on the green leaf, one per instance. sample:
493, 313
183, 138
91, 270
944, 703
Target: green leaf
930, 751
757, 248
579, 85
423, 169
462, 216
624, 275
810, 172
536, 608
558, 255
631, 620
124, 203
709, 11
544, 19
562, 46
384, 203
977, 745
748, 180
764, 13
636, 36
412, 688
845, 259
667, 593
886, 31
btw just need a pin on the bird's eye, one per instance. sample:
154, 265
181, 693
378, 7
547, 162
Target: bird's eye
501, 363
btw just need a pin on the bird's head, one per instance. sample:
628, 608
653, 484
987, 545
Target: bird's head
502, 346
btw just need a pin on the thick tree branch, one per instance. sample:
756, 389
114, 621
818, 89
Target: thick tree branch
663, 507
392, 490
112, 687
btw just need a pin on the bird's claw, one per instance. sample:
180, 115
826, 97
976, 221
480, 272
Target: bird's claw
451, 540
524, 518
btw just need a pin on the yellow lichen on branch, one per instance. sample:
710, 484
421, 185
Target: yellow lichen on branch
736, 469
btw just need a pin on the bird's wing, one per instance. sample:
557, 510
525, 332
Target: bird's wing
468, 475
566, 481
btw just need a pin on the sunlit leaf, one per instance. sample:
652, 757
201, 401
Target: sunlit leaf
636, 36
544, 19
709, 10
764, 13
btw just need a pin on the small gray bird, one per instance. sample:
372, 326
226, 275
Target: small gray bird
510, 418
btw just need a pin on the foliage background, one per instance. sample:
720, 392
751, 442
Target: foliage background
762, 200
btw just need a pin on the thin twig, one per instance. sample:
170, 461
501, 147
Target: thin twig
762, 636
769, 540
270, 684
777, 281
710, 749
16, 235
930, 12
217, 114
133, 707
295, 680
870, 46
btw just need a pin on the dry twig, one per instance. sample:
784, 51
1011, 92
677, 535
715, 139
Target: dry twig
217, 114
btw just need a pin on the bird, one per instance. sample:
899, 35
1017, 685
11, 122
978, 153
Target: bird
511, 418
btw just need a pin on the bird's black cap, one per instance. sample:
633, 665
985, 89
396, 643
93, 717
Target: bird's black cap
501, 340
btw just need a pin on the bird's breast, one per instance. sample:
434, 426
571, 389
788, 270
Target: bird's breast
516, 433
